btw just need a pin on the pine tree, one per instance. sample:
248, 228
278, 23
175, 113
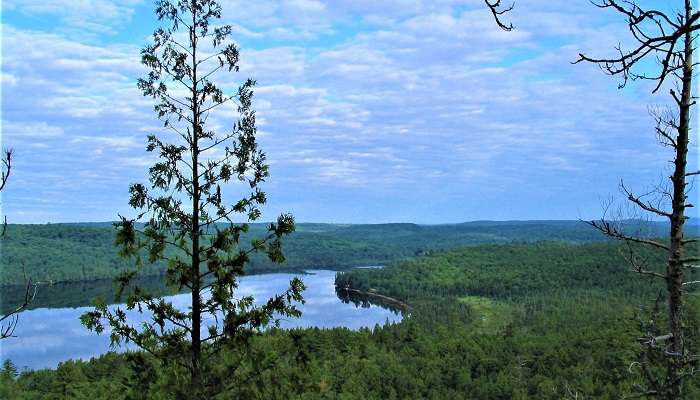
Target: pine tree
183, 219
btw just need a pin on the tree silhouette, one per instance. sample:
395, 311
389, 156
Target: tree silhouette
188, 224
8, 322
498, 10
4, 177
669, 39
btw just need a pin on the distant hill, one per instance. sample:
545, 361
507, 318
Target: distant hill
84, 251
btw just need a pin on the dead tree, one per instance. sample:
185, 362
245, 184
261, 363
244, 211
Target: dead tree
8, 322
4, 177
668, 38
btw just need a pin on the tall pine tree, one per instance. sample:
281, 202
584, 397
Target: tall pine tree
183, 219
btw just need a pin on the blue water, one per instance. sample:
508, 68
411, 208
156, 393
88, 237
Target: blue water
47, 336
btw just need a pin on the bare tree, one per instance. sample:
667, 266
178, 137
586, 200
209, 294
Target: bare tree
667, 38
4, 177
8, 322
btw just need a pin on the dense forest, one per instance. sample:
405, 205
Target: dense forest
83, 252
544, 320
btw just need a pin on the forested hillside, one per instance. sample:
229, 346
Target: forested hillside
77, 252
515, 321
514, 271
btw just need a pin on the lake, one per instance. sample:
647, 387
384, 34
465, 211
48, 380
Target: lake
47, 336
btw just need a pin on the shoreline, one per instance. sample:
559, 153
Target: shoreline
404, 307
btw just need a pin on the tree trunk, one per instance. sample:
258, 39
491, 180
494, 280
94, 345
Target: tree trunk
196, 298
674, 278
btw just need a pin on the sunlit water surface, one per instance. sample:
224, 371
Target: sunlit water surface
47, 336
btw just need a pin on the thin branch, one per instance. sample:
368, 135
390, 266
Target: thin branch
497, 10
171, 40
215, 104
609, 230
7, 163
659, 42
208, 74
645, 206
174, 100
13, 316
217, 142
639, 267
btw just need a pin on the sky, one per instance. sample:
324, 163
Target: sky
369, 111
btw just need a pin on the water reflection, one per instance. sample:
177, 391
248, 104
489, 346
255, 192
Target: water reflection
75, 294
368, 300
47, 336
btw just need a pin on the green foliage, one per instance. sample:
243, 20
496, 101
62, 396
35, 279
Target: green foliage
59, 252
569, 333
507, 272
80, 252
62, 252
189, 226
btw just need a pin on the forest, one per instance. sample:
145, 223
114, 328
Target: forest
544, 320
56, 252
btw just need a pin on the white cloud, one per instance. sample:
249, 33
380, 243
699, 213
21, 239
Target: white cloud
425, 98
31, 130
94, 16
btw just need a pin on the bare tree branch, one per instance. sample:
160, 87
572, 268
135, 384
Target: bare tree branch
608, 229
664, 42
6, 170
7, 329
640, 266
498, 10
643, 205
7, 167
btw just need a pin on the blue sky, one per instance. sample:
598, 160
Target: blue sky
369, 111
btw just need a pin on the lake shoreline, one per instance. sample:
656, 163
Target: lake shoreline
81, 293
160, 274
43, 344
404, 307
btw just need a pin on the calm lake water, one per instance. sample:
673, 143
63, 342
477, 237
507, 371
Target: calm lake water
47, 336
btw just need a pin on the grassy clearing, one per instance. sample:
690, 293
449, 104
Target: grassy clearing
491, 315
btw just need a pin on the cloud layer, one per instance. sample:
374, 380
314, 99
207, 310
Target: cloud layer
369, 111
